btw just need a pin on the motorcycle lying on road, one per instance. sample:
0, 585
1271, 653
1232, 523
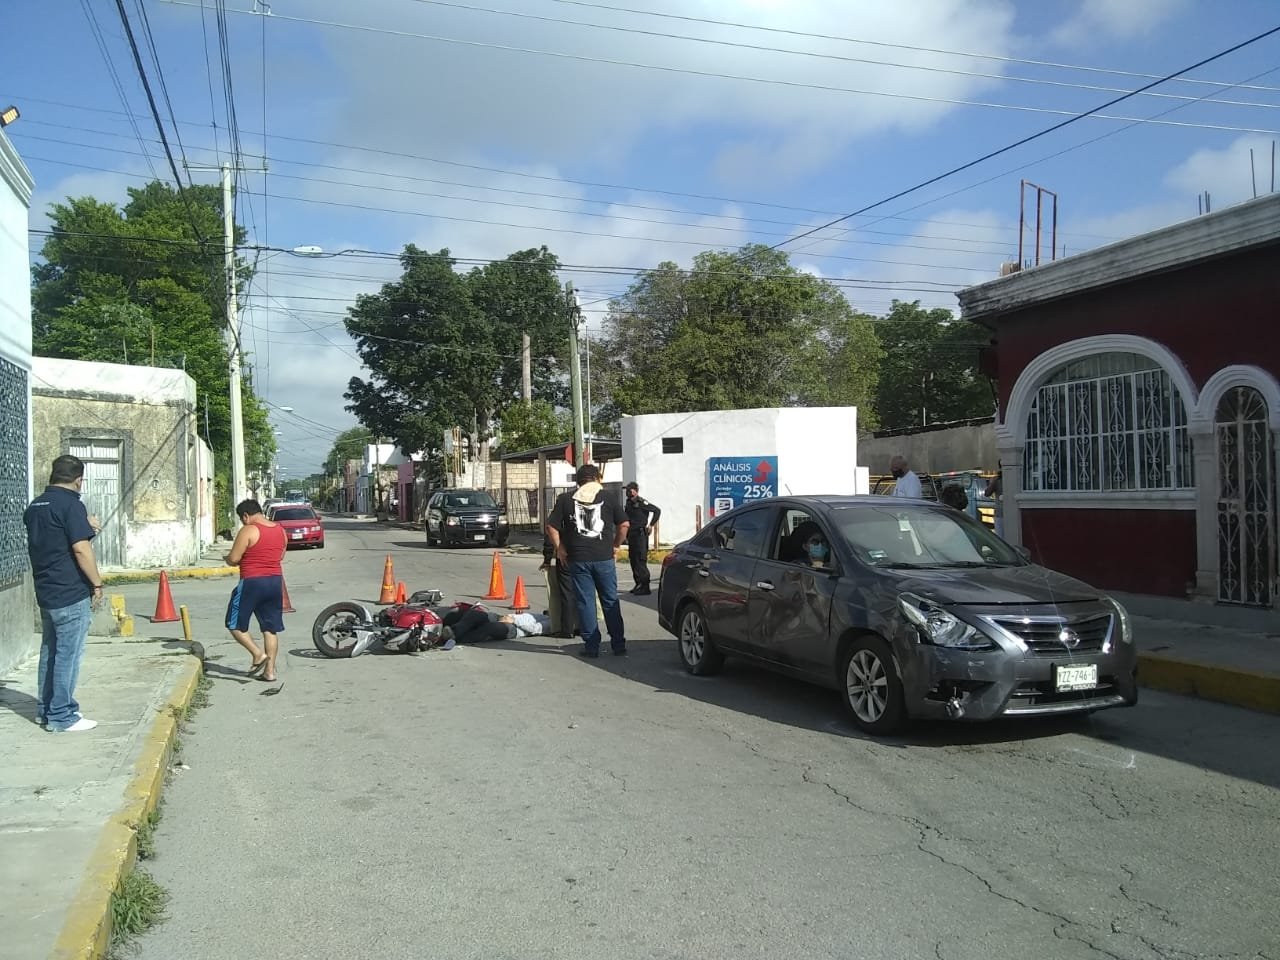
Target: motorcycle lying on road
348, 629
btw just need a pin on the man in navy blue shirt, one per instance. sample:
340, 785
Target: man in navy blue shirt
68, 585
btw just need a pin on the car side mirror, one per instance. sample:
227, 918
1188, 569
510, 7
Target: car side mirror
1023, 552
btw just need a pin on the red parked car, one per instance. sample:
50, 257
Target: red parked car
301, 523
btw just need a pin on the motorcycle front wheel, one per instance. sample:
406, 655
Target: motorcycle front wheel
334, 633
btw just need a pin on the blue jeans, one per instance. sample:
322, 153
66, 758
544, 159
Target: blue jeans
590, 576
61, 649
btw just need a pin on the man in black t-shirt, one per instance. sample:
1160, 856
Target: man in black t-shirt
585, 528
59, 531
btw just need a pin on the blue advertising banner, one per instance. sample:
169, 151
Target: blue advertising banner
733, 481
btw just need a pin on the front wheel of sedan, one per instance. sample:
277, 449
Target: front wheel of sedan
871, 688
698, 651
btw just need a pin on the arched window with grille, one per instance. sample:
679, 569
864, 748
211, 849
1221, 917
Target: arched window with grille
1108, 422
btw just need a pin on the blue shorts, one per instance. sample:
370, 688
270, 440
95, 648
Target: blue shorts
262, 597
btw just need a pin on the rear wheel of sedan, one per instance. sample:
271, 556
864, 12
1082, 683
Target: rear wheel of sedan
871, 688
698, 651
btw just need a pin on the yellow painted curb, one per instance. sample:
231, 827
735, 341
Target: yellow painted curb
183, 573
1241, 688
655, 555
86, 932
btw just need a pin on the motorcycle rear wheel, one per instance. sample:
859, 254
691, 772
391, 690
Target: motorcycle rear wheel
333, 632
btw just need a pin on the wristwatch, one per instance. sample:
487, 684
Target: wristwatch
97, 586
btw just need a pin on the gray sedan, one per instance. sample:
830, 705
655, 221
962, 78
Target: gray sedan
908, 608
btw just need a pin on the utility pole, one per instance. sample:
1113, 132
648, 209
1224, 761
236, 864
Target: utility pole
575, 374
239, 484
233, 336
526, 368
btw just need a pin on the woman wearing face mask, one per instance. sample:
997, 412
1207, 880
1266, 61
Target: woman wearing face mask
814, 551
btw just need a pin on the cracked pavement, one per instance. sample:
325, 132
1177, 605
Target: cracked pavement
515, 801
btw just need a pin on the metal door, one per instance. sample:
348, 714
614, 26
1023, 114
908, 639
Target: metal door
1246, 500
102, 496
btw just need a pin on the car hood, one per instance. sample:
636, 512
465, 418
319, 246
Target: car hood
994, 585
472, 511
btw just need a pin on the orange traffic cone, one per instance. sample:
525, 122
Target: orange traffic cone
402, 595
288, 606
497, 588
388, 594
521, 602
164, 602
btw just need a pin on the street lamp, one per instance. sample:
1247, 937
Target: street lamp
8, 115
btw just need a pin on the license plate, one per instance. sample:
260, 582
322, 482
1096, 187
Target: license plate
1076, 676
479, 536
296, 536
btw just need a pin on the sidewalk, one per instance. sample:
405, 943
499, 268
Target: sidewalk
70, 803
209, 565
1213, 663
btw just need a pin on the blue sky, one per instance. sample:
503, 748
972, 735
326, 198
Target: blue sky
377, 135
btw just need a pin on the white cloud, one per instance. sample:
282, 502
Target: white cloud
1103, 20
405, 93
1225, 172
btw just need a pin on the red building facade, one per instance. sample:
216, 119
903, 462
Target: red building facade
1139, 418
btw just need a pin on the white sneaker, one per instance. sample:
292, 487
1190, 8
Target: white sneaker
84, 723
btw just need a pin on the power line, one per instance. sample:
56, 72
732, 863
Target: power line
155, 113
898, 46
904, 243
164, 86
604, 235
1052, 156
797, 84
1027, 139
96, 30
387, 255
554, 196
1096, 88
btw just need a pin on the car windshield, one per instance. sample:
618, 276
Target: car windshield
477, 498
293, 513
901, 535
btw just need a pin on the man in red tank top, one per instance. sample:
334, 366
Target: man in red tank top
258, 549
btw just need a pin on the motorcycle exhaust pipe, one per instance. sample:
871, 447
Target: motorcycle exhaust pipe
955, 709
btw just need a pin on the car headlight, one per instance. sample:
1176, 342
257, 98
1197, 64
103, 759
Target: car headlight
941, 628
502, 517
1124, 628
451, 521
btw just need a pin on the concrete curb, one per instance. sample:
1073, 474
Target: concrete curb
1240, 688
182, 573
86, 931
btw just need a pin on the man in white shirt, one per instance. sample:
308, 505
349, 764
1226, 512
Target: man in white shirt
908, 484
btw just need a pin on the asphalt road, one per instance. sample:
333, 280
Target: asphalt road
514, 801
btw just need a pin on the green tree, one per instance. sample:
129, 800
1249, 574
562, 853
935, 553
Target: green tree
930, 368
348, 445
738, 330
144, 284
526, 426
443, 348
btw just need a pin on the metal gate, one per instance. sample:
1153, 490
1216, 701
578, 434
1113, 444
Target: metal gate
101, 495
1246, 500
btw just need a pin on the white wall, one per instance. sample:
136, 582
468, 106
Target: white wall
816, 447
118, 382
17, 595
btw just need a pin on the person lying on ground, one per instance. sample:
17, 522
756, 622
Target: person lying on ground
475, 624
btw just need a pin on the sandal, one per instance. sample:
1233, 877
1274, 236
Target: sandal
257, 668
266, 679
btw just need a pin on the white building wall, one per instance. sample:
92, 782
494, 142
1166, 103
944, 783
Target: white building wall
816, 447
17, 478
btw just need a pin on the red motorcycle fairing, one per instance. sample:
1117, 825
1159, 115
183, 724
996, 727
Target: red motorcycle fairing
405, 616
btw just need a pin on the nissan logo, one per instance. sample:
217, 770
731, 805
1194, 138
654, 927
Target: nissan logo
1069, 638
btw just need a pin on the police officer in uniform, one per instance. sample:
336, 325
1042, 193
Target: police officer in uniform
642, 515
